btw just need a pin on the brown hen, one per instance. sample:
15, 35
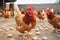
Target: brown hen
53, 19
40, 14
26, 22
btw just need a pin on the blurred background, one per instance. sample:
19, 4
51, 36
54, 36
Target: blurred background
38, 4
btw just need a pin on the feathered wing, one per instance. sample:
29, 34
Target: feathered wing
57, 20
19, 19
19, 16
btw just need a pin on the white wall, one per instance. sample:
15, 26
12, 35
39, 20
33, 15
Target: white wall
34, 1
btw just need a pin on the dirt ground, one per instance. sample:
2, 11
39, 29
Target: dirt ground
42, 31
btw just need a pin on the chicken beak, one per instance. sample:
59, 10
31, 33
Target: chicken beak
30, 14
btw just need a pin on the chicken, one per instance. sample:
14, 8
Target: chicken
26, 22
40, 14
1, 12
7, 13
53, 19
23, 11
12, 12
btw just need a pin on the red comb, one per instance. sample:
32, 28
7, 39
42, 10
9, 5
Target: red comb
31, 7
47, 9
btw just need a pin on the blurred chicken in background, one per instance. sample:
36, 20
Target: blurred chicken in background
23, 11
1, 12
40, 14
7, 11
53, 19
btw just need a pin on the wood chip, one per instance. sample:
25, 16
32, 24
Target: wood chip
9, 35
45, 38
37, 33
35, 38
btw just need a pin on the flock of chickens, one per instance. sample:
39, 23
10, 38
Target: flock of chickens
26, 20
